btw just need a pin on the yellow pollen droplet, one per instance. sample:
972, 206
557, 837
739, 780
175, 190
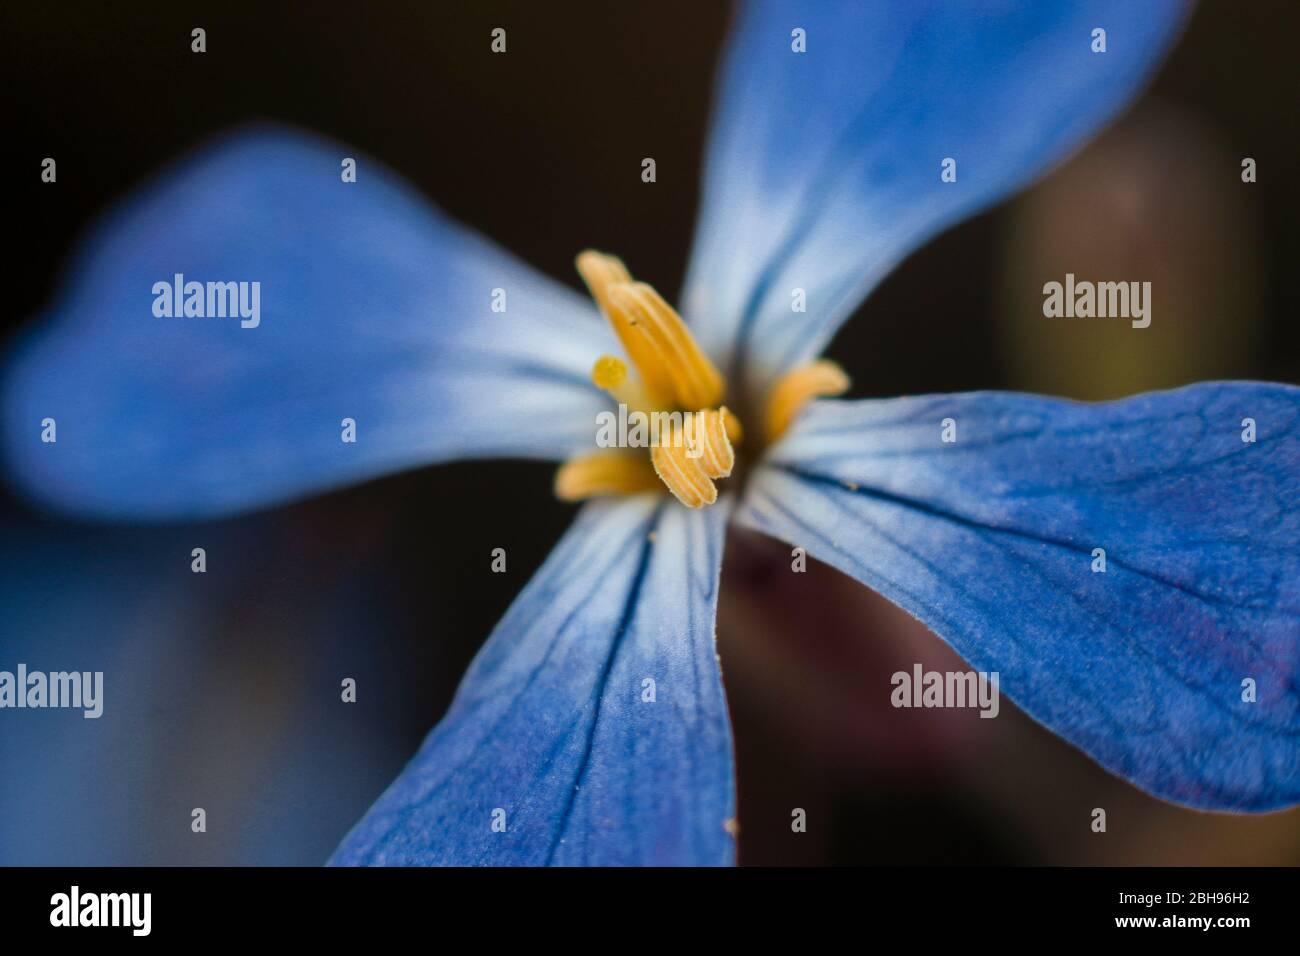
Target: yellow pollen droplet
605, 473
611, 375
609, 372
795, 389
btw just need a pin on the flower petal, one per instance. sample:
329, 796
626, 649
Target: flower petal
373, 306
824, 166
990, 542
170, 645
552, 734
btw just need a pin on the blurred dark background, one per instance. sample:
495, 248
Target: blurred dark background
227, 683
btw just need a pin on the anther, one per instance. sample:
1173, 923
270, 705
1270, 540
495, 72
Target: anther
683, 473
605, 473
709, 443
795, 389
601, 273
695, 382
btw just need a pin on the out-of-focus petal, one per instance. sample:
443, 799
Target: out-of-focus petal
219, 691
591, 728
373, 307
991, 541
824, 167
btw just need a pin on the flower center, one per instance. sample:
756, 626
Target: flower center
672, 383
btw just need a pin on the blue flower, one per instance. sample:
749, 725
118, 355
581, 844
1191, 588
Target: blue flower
592, 727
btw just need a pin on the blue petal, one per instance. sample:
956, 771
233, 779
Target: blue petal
990, 542
282, 769
824, 167
551, 729
373, 306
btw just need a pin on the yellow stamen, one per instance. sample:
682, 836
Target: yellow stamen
735, 431
695, 382
683, 474
611, 375
709, 443
669, 373
796, 389
601, 273
604, 473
